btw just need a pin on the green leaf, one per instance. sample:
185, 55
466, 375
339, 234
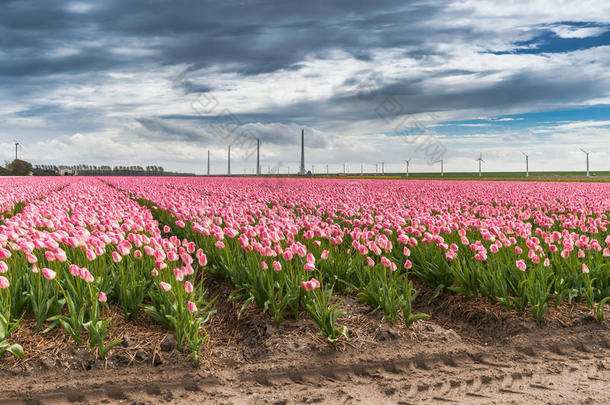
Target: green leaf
243, 307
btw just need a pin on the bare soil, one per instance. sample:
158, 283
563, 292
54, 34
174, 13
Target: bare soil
466, 352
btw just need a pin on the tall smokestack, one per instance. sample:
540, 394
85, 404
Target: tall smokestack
229, 161
208, 162
258, 163
302, 170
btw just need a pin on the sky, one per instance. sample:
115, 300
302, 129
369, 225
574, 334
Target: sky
162, 82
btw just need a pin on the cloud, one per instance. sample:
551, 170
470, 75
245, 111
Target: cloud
568, 31
122, 79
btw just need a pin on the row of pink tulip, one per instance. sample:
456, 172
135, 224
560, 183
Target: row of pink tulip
86, 245
19, 191
521, 244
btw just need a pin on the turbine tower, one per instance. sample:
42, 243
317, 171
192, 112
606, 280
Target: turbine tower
208, 162
586, 153
229, 161
442, 169
17, 145
258, 162
480, 160
407, 162
362, 169
527, 164
302, 171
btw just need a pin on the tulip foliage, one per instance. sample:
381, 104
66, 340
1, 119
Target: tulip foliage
71, 248
524, 245
68, 255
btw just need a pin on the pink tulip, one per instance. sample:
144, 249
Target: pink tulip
116, 257
5, 253
166, 287
310, 258
50, 256
192, 307
324, 255
48, 273
90, 255
86, 275
585, 269
310, 285
518, 250
102, 297
4, 283
277, 266
521, 265
203, 260
172, 256
3, 267
370, 262
408, 265
60, 256
31, 258
309, 267
188, 287
264, 265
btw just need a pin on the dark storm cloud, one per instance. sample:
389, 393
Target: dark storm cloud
157, 129
249, 37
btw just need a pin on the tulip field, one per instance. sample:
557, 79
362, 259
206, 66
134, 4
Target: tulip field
70, 247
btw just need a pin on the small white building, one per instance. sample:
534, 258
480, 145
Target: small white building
67, 172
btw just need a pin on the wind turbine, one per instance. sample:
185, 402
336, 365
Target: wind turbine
586, 153
407, 162
17, 145
442, 170
527, 164
480, 160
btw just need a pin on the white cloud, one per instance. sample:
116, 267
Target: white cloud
568, 31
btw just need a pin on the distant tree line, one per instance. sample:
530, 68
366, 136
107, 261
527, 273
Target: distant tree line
17, 167
92, 170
